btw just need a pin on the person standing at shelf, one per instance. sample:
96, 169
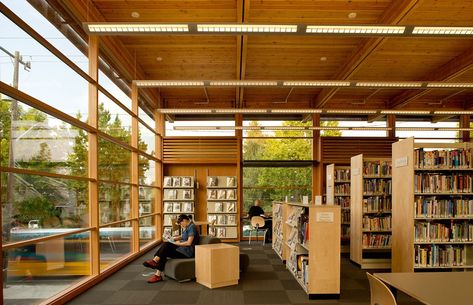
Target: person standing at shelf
179, 247
257, 210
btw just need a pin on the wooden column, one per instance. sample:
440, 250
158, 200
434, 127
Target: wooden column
134, 194
159, 126
391, 123
239, 136
465, 123
317, 168
94, 249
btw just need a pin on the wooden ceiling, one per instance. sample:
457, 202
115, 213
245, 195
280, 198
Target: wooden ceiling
295, 57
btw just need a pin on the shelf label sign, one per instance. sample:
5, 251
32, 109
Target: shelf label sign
324, 217
356, 171
400, 162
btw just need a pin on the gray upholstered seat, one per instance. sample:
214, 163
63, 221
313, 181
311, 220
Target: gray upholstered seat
183, 269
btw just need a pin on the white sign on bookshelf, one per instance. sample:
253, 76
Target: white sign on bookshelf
324, 217
400, 162
356, 171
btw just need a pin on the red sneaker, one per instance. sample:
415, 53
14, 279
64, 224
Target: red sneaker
151, 264
154, 279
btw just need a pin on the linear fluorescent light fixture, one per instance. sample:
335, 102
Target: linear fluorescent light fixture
176, 111
247, 28
443, 112
168, 83
390, 84
316, 83
354, 111
110, 28
296, 111
234, 110
355, 29
243, 83
442, 30
449, 85
413, 112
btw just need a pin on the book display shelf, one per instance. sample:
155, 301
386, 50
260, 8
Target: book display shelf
311, 246
279, 229
370, 232
338, 193
433, 215
222, 206
178, 198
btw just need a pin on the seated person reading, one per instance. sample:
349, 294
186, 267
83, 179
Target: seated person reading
179, 247
257, 210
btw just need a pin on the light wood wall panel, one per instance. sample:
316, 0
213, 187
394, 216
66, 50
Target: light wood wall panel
195, 150
339, 150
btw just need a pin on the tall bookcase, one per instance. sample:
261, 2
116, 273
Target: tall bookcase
279, 229
311, 246
222, 206
433, 214
370, 231
178, 198
338, 193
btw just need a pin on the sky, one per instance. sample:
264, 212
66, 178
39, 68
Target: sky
53, 82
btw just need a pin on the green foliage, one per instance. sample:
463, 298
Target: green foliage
39, 208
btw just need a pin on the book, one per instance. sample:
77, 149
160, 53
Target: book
167, 181
167, 233
170, 194
176, 181
187, 194
221, 194
168, 207
176, 207
213, 181
231, 207
218, 207
187, 181
221, 219
231, 219
187, 207
230, 194
231, 182
221, 232
212, 217
212, 194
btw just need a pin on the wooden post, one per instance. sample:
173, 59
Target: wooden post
239, 136
465, 123
159, 126
317, 169
94, 248
134, 194
391, 123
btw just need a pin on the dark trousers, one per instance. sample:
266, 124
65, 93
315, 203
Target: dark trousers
268, 224
167, 250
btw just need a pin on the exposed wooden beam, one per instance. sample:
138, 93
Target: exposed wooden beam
452, 69
112, 47
395, 13
441, 118
238, 38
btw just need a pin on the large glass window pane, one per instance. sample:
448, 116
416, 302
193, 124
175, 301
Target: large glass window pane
113, 120
48, 79
38, 271
356, 133
428, 136
198, 128
114, 202
147, 230
147, 200
114, 162
113, 89
35, 17
274, 184
115, 243
147, 171
147, 118
40, 142
32, 205
147, 139
277, 149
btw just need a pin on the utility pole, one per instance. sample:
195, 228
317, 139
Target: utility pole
17, 60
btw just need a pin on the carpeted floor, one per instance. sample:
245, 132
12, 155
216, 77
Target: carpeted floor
265, 282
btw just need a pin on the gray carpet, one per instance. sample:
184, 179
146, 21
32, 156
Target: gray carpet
265, 282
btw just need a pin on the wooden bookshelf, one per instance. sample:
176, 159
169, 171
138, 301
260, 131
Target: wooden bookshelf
370, 213
315, 263
421, 212
338, 193
279, 229
222, 205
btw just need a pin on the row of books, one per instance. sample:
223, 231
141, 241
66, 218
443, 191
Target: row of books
377, 204
342, 174
377, 186
452, 158
221, 194
304, 236
345, 214
178, 194
303, 268
375, 240
439, 256
223, 207
377, 168
179, 207
277, 246
376, 223
218, 232
222, 219
345, 232
443, 183
344, 202
215, 181
293, 218
342, 189
456, 232
178, 181
431, 207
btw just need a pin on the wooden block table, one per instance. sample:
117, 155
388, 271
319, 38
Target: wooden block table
217, 265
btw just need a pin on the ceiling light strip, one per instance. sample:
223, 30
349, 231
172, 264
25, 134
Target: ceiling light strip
442, 30
136, 28
168, 83
243, 83
409, 112
246, 28
350, 111
355, 29
316, 83
449, 85
295, 128
390, 84
443, 112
